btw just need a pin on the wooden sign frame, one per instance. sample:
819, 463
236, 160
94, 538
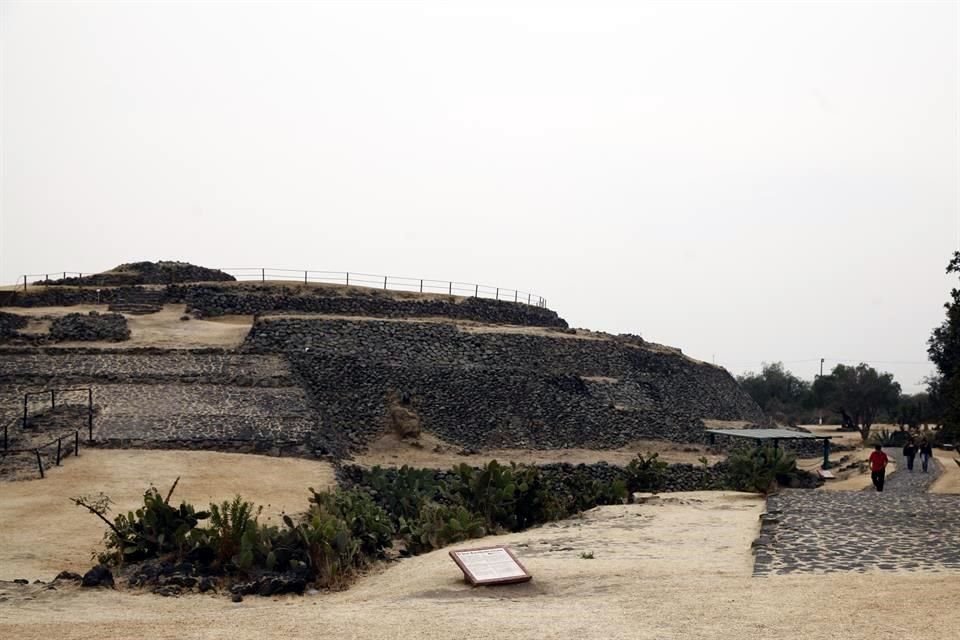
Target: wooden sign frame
473, 579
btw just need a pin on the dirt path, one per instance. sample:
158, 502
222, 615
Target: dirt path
43, 533
672, 569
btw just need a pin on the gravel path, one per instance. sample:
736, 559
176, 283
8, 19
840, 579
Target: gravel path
901, 529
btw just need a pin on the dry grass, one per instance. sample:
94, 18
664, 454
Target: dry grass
672, 569
43, 533
431, 452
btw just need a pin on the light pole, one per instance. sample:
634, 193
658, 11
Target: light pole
820, 416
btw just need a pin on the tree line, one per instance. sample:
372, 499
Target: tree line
861, 396
853, 396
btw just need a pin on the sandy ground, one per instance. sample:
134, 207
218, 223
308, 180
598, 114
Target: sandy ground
672, 568
949, 480
432, 452
44, 533
162, 329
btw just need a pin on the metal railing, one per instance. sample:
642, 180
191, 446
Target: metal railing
60, 451
346, 278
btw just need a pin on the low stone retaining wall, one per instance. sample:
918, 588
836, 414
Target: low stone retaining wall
9, 325
253, 300
90, 327
676, 477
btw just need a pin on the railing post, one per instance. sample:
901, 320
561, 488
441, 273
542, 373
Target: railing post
304, 277
24, 284
450, 290
39, 462
514, 295
53, 398
348, 278
476, 291
384, 282
528, 298
90, 412
421, 286
59, 443
498, 293
263, 275
64, 275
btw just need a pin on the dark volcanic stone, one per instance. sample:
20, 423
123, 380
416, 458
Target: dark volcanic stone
98, 576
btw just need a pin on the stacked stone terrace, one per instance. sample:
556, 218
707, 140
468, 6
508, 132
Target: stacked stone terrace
322, 365
171, 399
487, 388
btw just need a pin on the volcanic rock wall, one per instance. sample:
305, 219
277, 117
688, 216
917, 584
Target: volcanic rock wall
184, 399
253, 300
488, 388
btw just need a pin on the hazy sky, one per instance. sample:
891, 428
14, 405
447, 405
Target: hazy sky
748, 182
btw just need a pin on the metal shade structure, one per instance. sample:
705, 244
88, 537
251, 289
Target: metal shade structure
776, 435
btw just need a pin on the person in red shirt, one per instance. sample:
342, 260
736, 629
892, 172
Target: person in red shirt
878, 466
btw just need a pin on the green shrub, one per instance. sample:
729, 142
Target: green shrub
760, 469
154, 529
438, 525
403, 493
646, 474
330, 551
230, 522
368, 523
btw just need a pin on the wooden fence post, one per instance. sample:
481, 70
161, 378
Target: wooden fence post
39, 462
450, 291
263, 275
476, 291
304, 277
384, 282
348, 278
421, 285
59, 446
76, 443
498, 293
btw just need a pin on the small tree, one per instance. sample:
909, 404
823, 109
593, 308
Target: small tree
860, 391
944, 351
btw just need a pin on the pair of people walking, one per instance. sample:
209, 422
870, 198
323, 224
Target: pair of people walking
911, 449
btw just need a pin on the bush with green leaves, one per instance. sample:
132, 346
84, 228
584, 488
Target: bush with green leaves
401, 492
646, 473
760, 469
230, 522
154, 529
367, 522
438, 525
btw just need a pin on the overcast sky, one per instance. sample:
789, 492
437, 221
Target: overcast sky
748, 182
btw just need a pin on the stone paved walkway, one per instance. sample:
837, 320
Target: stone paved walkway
901, 529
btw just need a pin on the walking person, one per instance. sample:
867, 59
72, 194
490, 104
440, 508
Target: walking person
910, 452
926, 452
878, 466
